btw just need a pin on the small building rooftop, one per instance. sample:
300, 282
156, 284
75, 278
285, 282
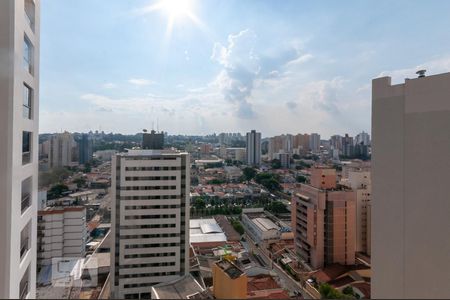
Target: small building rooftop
205, 230
264, 224
231, 269
185, 287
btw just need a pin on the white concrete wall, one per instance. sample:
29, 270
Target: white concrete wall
12, 123
65, 235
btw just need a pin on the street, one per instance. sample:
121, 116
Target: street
289, 283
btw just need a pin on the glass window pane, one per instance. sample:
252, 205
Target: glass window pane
26, 143
27, 54
27, 101
26, 147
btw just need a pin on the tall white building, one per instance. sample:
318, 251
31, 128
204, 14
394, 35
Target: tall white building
253, 149
362, 138
61, 233
314, 142
150, 220
410, 182
19, 106
62, 151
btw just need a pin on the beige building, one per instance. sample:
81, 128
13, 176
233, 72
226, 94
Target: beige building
19, 129
360, 182
150, 220
301, 142
411, 205
229, 282
324, 219
62, 151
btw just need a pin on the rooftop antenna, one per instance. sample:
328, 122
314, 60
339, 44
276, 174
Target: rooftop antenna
157, 124
421, 73
153, 125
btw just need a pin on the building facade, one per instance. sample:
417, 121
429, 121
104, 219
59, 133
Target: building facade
150, 220
324, 220
153, 140
360, 182
410, 209
347, 146
61, 233
362, 138
314, 142
253, 149
84, 149
19, 120
62, 152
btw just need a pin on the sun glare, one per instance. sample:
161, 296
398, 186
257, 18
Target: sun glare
176, 11
176, 8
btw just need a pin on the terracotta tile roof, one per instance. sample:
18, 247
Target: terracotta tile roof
330, 272
262, 282
268, 294
364, 287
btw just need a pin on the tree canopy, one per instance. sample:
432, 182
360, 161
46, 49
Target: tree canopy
249, 173
269, 181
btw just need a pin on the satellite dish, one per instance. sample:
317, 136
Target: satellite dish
144, 130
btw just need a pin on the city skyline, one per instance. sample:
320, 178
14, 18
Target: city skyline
229, 66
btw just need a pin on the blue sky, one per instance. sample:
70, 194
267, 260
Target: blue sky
275, 66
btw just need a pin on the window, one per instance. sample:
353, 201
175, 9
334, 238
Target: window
26, 194
24, 241
24, 286
28, 55
29, 13
27, 101
26, 147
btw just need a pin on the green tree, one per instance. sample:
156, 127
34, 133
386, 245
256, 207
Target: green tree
87, 167
269, 181
237, 226
80, 181
199, 203
249, 173
277, 207
276, 164
216, 181
328, 292
301, 179
56, 191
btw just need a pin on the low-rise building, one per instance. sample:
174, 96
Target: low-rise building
229, 281
206, 233
61, 233
260, 228
233, 173
185, 287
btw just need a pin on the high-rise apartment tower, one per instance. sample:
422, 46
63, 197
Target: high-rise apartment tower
150, 220
19, 106
253, 149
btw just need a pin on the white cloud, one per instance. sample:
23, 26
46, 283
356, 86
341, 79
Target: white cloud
434, 66
108, 85
300, 59
240, 69
140, 81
